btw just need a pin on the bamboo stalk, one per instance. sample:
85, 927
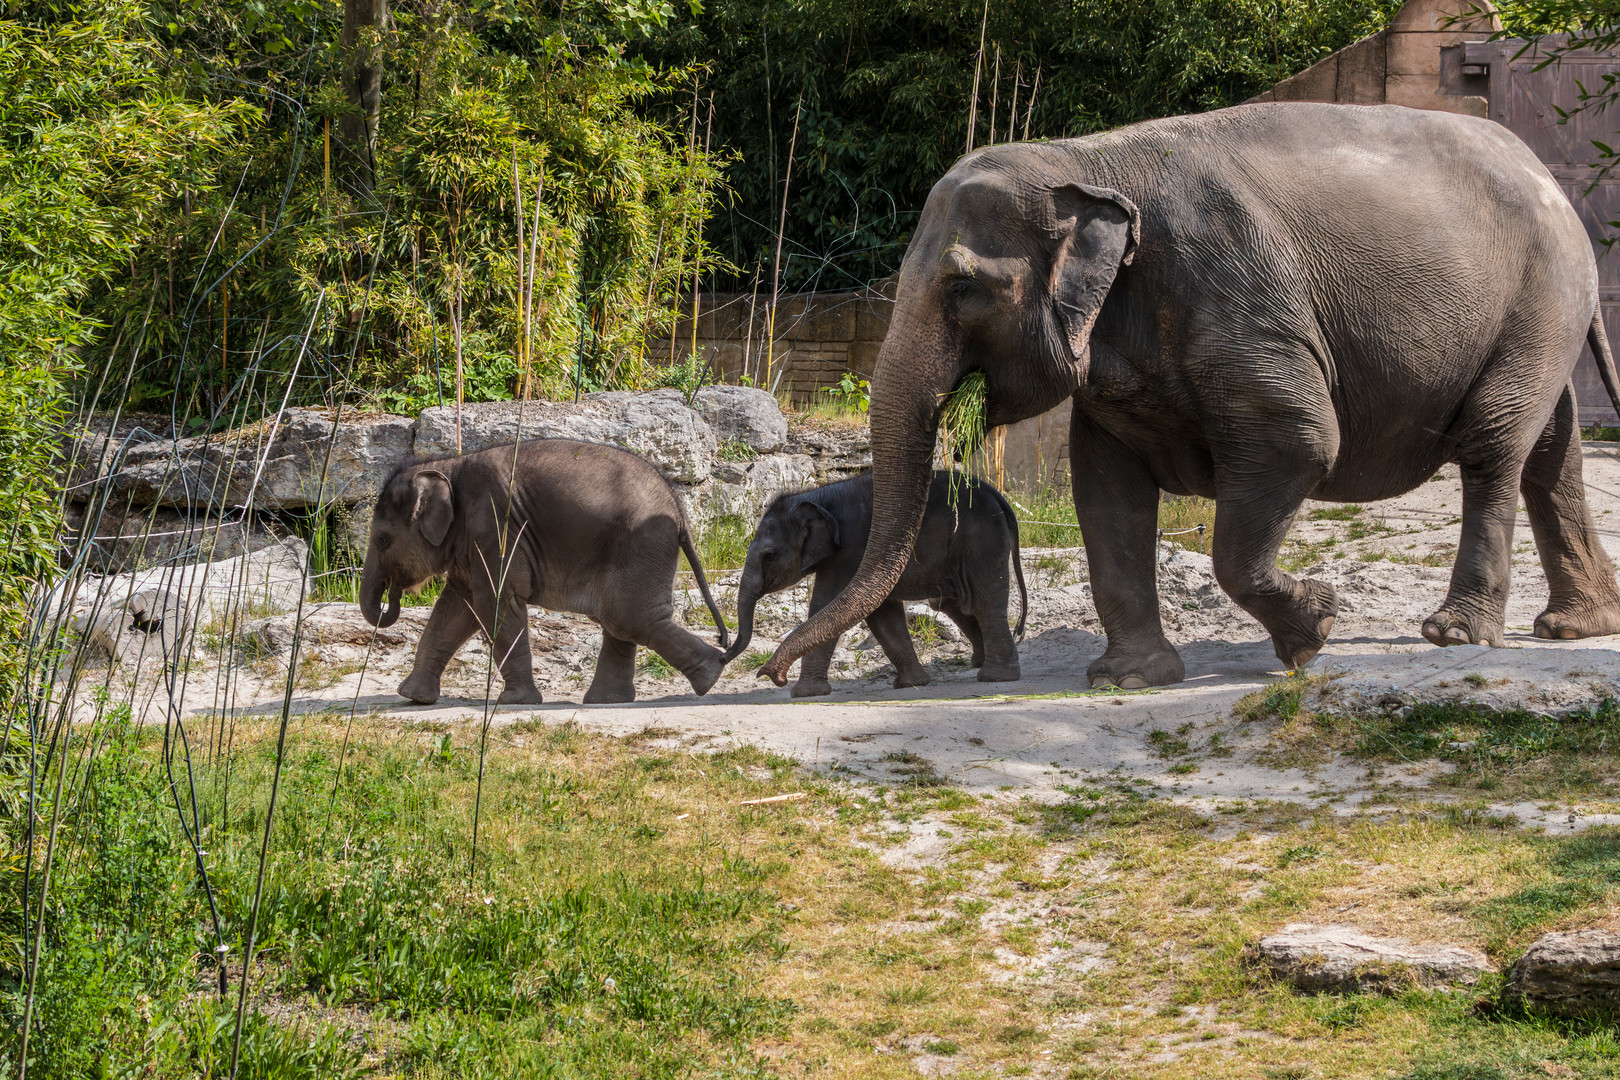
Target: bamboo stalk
1012, 113
776, 263
978, 64
1029, 110
995, 94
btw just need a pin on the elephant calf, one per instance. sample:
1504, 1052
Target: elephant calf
959, 564
571, 526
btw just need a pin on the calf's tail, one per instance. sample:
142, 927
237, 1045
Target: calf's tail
703, 584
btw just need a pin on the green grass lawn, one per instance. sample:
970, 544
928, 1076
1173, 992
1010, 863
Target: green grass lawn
630, 915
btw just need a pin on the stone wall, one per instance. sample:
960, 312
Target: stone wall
1415, 61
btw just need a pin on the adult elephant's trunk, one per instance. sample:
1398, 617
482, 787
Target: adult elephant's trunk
916, 369
747, 598
372, 586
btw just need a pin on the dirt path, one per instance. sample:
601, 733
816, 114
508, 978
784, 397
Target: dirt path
1390, 563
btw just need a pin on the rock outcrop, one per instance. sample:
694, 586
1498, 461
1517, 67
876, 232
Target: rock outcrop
1570, 974
143, 498
1342, 959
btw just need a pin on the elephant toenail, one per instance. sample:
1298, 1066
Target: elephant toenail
1457, 634
1132, 682
1568, 633
1102, 682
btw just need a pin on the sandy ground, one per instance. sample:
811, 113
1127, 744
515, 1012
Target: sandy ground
1390, 564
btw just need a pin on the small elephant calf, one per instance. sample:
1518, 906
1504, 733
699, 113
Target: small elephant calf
958, 564
584, 527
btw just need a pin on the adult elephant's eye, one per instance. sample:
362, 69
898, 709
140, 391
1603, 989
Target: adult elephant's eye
961, 287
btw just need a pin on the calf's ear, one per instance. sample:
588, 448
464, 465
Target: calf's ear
1097, 230
433, 512
818, 534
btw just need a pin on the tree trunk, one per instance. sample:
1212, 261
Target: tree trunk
363, 23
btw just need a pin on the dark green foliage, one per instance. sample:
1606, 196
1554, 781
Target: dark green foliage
882, 92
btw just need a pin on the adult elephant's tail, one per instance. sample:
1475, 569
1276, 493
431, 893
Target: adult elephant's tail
1599, 340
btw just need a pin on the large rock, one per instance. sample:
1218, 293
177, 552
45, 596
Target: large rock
1317, 959
839, 451
743, 414
153, 612
743, 488
659, 426
1570, 974
281, 463
110, 542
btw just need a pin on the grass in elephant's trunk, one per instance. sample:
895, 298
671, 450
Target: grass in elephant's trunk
963, 423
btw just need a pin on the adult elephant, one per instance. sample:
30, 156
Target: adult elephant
1259, 305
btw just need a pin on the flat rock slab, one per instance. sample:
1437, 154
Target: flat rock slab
1318, 959
1570, 974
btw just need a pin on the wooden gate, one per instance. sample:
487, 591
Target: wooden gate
1534, 105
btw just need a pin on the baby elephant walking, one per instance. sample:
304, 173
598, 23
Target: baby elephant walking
585, 528
959, 564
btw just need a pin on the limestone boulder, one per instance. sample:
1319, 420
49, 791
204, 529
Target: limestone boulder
278, 463
1574, 974
118, 538
839, 451
743, 414
1343, 959
658, 425
155, 611
743, 489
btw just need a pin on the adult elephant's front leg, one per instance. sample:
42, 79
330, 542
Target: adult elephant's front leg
450, 624
1260, 485
1116, 501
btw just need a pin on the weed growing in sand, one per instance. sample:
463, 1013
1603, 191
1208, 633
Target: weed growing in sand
1345, 512
655, 666
754, 659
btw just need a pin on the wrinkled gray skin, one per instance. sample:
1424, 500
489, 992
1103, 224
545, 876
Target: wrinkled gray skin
590, 529
959, 565
1259, 305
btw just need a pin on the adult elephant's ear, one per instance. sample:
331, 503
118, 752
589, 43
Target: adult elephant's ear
1097, 233
433, 513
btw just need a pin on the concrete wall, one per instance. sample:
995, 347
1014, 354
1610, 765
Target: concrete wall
1411, 62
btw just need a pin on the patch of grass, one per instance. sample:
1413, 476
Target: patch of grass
1178, 513
654, 666
722, 544
1345, 512
736, 450
1513, 753
914, 769
753, 659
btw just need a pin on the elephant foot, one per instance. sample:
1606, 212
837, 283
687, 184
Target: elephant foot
609, 693
977, 659
1301, 637
706, 674
1000, 672
1134, 669
521, 695
811, 688
420, 689
917, 676
1451, 627
1579, 621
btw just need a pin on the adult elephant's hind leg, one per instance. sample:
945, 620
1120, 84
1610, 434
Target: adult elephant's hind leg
1117, 503
1582, 598
1493, 442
